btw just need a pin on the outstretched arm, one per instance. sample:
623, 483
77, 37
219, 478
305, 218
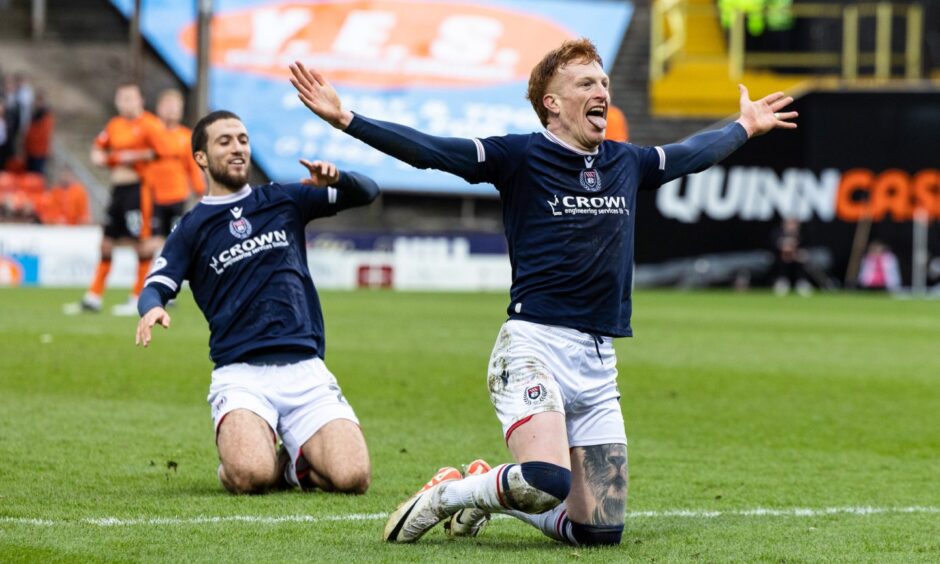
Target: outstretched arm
449, 154
701, 151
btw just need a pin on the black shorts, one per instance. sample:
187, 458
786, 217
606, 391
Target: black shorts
124, 218
165, 218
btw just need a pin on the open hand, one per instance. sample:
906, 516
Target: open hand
760, 116
146, 323
319, 95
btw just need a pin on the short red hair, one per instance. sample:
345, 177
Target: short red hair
574, 50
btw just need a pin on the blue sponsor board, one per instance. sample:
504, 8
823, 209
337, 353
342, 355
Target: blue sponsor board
446, 67
19, 270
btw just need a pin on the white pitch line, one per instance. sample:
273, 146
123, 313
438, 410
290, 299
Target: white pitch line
266, 520
25, 521
785, 512
263, 520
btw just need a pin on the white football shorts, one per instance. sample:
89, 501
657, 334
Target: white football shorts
295, 399
536, 368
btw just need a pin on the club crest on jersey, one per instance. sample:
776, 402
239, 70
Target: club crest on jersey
535, 394
240, 227
591, 180
159, 263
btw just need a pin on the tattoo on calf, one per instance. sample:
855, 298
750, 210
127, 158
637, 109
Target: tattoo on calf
605, 467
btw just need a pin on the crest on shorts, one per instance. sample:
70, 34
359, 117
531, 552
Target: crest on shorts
590, 180
219, 403
535, 394
240, 227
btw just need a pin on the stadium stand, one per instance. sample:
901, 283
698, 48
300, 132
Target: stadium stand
83, 54
701, 48
697, 81
28, 198
665, 97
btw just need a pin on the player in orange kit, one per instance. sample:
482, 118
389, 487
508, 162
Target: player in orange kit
125, 147
172, 177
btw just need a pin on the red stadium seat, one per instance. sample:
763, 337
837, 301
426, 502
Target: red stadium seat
31, 183
7, 182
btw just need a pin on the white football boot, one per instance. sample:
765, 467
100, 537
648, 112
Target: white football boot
90, 303
421, 511
127, 309
469, 522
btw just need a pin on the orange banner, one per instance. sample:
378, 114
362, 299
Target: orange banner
390, 43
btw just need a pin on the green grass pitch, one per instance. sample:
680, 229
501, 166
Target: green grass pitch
733, 403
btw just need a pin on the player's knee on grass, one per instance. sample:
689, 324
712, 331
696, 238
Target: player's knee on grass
536, 487
349, 477
353, 482
596, 535
338, 458
247, 479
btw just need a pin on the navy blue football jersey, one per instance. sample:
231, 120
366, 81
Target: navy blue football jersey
245, 258
569, 221
568, 214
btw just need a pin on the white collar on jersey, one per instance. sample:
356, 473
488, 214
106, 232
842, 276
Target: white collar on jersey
555, 139
222, 200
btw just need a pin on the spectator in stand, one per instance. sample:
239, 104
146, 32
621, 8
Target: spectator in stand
47, 207
73, 199
64, 203
791, 260
5, 144
879, 269
12, 116
24, 95
39, 136
617, 127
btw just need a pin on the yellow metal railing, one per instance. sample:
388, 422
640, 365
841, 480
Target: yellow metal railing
667, 40
850, 58
667, 34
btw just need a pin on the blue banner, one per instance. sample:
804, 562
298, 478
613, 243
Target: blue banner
446, 67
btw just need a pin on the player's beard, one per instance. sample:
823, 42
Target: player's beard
234, 182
